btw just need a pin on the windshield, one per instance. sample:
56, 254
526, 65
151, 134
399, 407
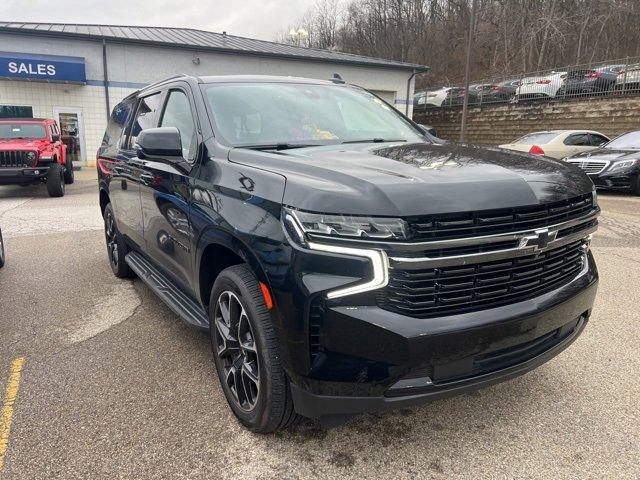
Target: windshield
22, 130
254, 114
626, 141
539, 138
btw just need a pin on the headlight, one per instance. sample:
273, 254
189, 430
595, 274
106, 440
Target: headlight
594, 194
31, 156
349, 226
299, 223
623, 165
422, 100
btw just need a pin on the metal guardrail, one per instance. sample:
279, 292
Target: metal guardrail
591, 80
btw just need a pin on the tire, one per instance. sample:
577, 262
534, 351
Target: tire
69, 176
116, 246
635, 185
2, 254
258, 393
55, 181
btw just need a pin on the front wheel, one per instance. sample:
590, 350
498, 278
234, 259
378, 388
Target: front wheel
55, 181
245, 353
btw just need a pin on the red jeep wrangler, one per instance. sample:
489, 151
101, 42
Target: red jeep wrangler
31, 151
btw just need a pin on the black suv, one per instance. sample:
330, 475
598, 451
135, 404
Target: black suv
341, 261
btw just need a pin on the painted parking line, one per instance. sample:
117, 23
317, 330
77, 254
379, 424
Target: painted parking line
10, 398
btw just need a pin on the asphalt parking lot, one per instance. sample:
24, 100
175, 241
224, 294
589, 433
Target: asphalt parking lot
115, 386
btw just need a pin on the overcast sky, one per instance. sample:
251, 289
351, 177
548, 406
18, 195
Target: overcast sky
262, 19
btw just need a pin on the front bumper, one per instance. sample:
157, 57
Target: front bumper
22, 175
615, 181
379, 360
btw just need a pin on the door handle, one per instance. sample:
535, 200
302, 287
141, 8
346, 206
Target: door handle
146, 178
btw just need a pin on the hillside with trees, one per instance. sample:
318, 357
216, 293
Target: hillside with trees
511, 36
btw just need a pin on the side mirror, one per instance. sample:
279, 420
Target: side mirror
55, 137
159, 142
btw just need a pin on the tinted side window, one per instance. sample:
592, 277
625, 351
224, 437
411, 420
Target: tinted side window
177, 113
118, 120
145, 117
581, 140
597, 140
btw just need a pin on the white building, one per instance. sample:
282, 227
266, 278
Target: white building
77, 73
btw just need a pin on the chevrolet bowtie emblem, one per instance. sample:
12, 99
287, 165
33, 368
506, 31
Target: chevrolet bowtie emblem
540, 240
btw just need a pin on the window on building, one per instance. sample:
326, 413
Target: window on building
145, 117
16, 111
177, 113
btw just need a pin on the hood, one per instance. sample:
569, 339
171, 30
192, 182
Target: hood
415, 179
23, 143
608, 154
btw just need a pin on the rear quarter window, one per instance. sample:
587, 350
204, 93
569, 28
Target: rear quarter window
118, 120
578, 139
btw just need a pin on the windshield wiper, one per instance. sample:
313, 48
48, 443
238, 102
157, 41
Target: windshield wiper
375, 140
280, 146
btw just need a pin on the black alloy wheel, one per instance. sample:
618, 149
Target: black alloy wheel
246, 352
237, 351
116, 248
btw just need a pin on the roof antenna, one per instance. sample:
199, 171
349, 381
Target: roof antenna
337, 78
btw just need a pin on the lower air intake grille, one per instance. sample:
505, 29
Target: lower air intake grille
450, 290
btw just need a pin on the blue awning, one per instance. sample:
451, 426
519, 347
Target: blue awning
46, 68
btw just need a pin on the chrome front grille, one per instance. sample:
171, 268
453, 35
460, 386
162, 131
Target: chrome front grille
16, 158
590, 166
545, 249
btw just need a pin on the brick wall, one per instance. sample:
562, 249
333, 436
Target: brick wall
502, 123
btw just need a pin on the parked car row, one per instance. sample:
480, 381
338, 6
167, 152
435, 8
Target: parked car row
558, 84
611, 164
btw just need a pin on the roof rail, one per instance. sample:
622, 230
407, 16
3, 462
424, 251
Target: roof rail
160, 82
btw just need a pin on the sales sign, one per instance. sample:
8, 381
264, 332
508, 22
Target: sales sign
49, 68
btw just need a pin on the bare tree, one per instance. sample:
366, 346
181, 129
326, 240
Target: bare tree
512, 36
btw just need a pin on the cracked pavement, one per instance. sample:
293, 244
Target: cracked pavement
115, 386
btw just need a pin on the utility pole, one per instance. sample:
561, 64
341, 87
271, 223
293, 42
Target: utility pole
467, 72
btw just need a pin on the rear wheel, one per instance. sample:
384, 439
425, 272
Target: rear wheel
55, 181
635, 185
246, 353
69, 176
116, 246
